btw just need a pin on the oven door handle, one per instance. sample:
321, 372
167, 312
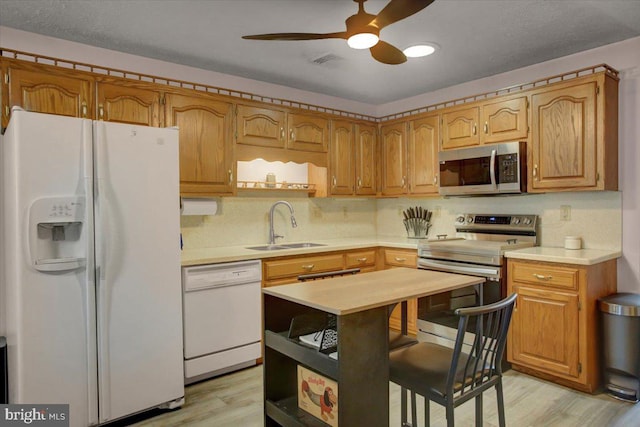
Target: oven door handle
492, 169
488, 272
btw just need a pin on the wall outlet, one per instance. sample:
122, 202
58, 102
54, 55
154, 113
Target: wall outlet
565, 212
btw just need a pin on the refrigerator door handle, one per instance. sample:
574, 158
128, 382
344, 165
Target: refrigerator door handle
90, 272
102, 289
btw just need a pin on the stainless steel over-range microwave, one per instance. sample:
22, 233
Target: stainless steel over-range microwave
488, 169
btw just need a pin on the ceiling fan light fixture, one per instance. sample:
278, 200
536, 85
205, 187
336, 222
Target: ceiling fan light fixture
362, 40
419, 50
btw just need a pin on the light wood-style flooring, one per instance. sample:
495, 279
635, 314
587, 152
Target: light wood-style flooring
235, 400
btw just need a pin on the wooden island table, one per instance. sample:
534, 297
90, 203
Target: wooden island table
360, 305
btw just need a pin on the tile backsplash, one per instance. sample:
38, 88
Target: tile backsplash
594, 216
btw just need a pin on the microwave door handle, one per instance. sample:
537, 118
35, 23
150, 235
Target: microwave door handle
492, 169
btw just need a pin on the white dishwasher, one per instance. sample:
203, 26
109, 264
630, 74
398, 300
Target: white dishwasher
222, 319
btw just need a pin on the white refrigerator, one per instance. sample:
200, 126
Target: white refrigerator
91, 265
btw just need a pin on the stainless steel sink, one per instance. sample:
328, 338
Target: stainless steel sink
301, 245
267, 247
285, 246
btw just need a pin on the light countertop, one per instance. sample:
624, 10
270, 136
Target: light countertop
354, 293
240, 253
565, 256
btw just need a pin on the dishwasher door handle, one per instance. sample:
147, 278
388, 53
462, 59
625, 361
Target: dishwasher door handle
220, 285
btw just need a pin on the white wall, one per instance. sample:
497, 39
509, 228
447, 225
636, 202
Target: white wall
624, 56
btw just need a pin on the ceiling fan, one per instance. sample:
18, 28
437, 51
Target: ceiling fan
363, 30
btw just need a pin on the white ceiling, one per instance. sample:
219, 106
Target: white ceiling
477, 38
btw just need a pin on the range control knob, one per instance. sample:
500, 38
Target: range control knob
460, 219
527, 221
515, 220
469, 219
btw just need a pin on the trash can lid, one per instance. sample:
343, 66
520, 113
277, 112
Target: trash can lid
622, 304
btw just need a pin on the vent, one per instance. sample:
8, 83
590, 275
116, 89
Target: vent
324, 58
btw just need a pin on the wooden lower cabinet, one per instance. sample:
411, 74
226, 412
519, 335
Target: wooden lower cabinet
402, 258
284, 270
554, 328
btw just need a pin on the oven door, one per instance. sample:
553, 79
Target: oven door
437, 321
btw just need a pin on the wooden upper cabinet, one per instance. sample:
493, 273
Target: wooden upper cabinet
341, 176
564, 137
127, 104
207, 165
51, 92
393, 141
263, 127
307, 132
499, 120
366, 155
504, 120
460, 128
424, 135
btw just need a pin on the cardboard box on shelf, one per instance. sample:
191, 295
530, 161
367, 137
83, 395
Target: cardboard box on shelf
318, 395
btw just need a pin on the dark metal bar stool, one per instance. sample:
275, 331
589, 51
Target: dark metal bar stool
451, 377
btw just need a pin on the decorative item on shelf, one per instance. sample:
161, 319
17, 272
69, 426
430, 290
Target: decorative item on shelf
417, 222
271, 180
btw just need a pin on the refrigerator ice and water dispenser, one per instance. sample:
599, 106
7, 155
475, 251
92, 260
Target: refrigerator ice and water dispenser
55, 233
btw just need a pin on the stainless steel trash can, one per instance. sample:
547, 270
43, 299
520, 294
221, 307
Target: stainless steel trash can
621, 345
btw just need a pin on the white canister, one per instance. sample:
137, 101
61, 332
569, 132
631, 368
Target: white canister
271, 180
572, 242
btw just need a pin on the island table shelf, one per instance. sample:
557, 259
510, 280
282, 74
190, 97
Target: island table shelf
360, 304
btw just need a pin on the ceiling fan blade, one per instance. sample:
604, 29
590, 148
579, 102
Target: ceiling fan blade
387, 54
397, 10
297, 36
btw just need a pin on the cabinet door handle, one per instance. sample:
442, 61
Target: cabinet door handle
486, 127
475, 129
359, 182
398, 259
435, 180
535, 172
404, 180
362, 259
281, 134
101, 111
308, 267
230, 176
542, 277
292, 135
84, 109
335, 181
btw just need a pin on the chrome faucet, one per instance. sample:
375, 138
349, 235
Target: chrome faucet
272, 235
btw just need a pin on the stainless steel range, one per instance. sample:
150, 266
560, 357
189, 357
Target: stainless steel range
477, 250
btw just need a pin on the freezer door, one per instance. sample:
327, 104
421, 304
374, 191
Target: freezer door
138, 268
50, 315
